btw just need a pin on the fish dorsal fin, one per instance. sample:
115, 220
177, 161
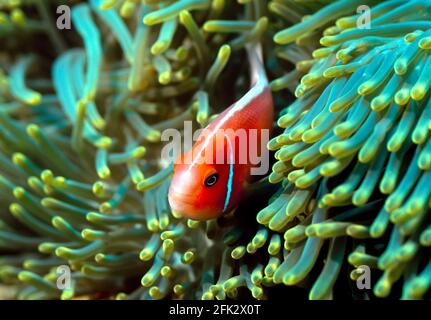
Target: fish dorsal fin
257, 69
259, 84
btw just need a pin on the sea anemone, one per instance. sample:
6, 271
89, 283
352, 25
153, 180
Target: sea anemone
83, 186
355, 155
81, 123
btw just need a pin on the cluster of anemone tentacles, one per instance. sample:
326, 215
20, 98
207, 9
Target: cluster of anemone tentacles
82, 184
358, 135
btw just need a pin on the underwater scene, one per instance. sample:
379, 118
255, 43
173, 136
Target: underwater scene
215, 149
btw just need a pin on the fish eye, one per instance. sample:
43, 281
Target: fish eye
211, 180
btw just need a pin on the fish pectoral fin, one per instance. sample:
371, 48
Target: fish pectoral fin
230, 214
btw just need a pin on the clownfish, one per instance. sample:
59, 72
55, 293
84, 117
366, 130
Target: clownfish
210, 179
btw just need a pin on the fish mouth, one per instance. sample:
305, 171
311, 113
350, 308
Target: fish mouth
184, 205
177, 195
181, 204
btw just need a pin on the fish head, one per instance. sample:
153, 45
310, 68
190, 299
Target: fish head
199, 191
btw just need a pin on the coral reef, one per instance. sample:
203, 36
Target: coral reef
82, 184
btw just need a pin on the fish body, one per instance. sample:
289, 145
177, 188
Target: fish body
210, 179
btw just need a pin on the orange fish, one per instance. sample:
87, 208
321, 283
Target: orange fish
210, 179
